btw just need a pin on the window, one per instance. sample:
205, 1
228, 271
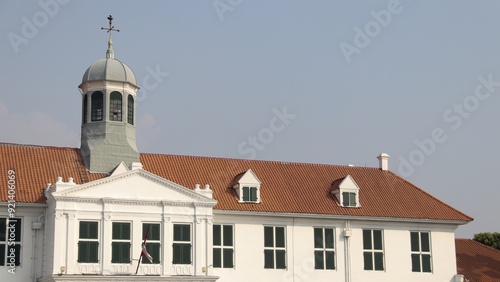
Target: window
88, 243
373, 253
84, 107
420, 251
249, 194
115, 106
120, 243
349, 199
324, 251
96, 111
274, 247
10, 241
130, 109
152, 242
182, 244
223, 246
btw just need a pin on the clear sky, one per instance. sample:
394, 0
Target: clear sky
418, 80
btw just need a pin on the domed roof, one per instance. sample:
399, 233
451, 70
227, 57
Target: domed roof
109, 69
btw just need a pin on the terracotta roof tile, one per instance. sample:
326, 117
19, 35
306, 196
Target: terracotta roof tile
477, 262
286, 187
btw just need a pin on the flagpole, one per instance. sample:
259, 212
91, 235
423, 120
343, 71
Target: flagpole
138, 263
142, 252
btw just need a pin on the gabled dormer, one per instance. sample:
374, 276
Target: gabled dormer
347, 192
248, 187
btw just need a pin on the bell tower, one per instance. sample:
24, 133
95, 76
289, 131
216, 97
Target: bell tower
109, 90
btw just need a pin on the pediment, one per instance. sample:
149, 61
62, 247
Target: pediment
348, 183
134, 185
249, 177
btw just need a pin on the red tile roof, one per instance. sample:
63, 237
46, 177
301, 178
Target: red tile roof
477, 262
286, 187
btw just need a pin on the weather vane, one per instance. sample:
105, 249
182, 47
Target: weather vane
111, 26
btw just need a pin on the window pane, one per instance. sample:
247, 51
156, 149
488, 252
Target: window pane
268, 236
377, 239
352, 199
182, 253
121, 230
228, 235
345, 199
154, 251
415, 263
318, 237
330, 259
16, 223
424, 237
280, 259
88, 230
154, 231
379, 261
318, 260
3, 229
367, 239
268, 259
329, 238
253, 194
426, 263
2, 254
115, 106
84, 107
280, 237
217, 257
87, 252
368, 260
16, 255
228, 258
414, 242
130, 112
217, 235
96, 110
246, 194
120, 252
182, 232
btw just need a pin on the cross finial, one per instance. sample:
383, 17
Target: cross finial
109, 52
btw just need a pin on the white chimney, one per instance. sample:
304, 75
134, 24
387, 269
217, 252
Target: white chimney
383, 161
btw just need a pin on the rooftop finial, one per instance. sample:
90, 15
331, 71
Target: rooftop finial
109, 52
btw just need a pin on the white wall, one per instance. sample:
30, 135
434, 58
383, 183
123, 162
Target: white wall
249, 246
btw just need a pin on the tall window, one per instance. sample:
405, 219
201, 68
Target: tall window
88, 243
324, 248
348, 199
274, 247
223, 246
115, 106
96, 110
10, 241
130, 109
420, 251
182, 244
373, 253
84, 107
152, 242
120, 243
249, 194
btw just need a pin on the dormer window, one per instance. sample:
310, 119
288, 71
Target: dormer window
346, 191
248, 187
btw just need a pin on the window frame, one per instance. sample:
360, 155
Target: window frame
271, 251
420, 253
222, 249
373, 253
120, 243
115, 106
153, 245
351, 196
249, 194
18, 242
97, 106
182, 244
88, 241
323, 248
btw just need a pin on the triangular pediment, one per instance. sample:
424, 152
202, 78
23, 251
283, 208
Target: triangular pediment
348, 183
134, 185
249, 177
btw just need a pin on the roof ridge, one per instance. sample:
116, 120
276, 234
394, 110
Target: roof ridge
35, 146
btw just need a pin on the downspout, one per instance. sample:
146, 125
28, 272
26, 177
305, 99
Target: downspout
36, 226
347, 251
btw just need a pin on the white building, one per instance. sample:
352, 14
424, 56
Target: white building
207, 219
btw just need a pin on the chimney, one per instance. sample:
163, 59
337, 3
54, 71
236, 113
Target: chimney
383, 161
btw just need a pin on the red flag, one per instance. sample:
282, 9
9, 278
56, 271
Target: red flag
144, 252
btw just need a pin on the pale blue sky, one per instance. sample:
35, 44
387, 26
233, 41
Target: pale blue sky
229, 71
